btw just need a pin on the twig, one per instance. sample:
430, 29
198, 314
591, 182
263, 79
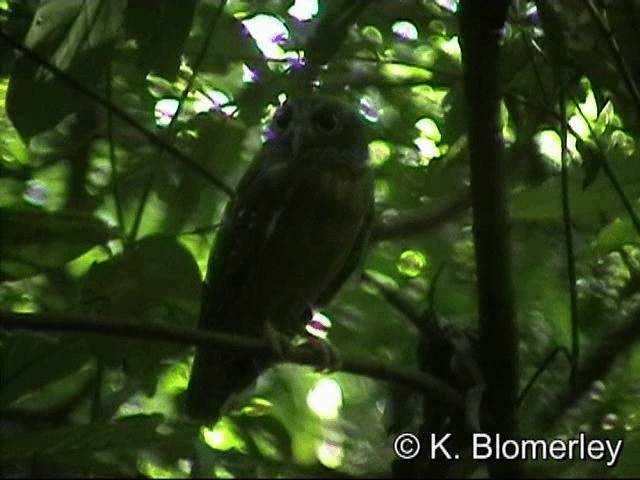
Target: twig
595, 366
121, 114
623, 68
421, 222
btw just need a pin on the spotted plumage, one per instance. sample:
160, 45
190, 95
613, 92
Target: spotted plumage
292, 234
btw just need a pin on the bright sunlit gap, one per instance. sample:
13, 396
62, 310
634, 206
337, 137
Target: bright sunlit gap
304, 10
428, 139
550, 146
405, 30
412, 263
221, 436
330, 454
369, 110
319, 325
325, 399
165, 110
268, 32
379, 152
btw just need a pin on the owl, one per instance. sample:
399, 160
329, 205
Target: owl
293, 233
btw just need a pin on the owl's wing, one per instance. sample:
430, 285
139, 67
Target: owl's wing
355, 260
244, 230
248, 217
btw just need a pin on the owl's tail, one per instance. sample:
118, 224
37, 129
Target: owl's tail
216, 374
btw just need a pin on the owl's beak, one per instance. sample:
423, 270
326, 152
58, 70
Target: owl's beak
302, 135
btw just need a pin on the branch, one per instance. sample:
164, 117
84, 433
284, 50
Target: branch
121, 114
203, 338
623, 68
595, 366
417, 223
481, 34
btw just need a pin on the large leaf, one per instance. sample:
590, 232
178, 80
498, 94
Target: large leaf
34, 240
34, 366
80, 440
75, 37
154, 281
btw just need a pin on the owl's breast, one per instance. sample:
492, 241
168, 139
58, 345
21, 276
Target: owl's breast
314, 235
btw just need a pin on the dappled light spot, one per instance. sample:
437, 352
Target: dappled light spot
449, 5
295, 60
219, 100
36, 193
81, 265
429, 129
222, 437
249, 75
319, 325
304, 10
405, 30
451, 47
412, 263
165, 110
24, 304
409, 157
151, 468
631, 422
325, 399
624, 142
609, 422
269, 33
221, 472
381, 190
99, 175
550, 147
579, 125
379, 152
589, 107
597, 391
372, 34
330, 454
428, 150
369, 110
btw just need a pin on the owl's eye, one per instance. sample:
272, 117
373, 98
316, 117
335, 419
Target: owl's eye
283, 118
326, 121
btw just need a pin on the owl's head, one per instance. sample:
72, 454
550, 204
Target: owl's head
314, 128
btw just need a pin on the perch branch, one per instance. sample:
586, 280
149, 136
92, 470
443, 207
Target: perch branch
190, 336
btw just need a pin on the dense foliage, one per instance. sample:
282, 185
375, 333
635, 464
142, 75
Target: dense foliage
125, 126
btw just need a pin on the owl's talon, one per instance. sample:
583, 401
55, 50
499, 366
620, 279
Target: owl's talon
279, 342
330, 359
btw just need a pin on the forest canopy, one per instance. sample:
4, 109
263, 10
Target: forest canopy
499, 292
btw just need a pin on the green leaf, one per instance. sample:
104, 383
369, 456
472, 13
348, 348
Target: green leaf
34, 240
155, 280
34, 364
74, 27
127, 433
619, 232
591, 161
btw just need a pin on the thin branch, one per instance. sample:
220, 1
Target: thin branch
121, 114
568, 235
623, 68
604, 163
206, 338
170, 128
421, 222
397, 299
608, 171
595, 365
117, 199
542, 368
